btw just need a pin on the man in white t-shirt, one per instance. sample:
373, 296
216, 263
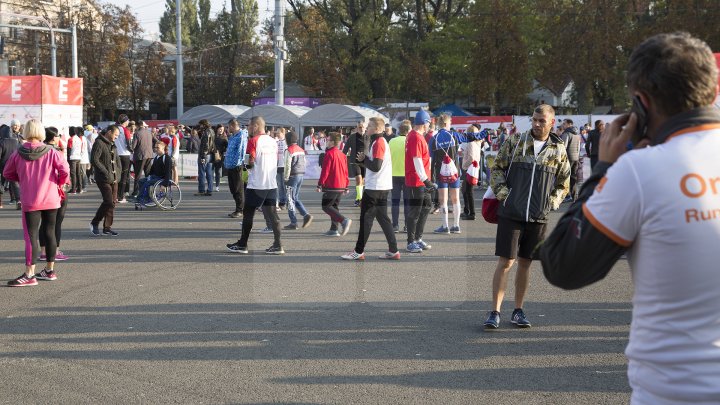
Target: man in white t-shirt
261, 188
661, 205
378, 183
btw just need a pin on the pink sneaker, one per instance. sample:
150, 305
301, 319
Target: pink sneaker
23, 281
60, 256
48, 275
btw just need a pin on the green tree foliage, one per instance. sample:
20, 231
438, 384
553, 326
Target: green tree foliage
189, 21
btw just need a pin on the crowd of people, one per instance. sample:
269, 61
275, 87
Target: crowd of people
657, 204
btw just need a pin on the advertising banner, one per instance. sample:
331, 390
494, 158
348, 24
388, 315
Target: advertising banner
56, 101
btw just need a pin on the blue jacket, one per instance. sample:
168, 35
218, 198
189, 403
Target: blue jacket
237, 144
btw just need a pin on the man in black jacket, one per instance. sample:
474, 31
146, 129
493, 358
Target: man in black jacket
571, 138
592, 146
106, 166
9, 143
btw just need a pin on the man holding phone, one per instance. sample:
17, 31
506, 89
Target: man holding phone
659, 205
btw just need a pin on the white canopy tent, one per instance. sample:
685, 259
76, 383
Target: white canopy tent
337, 115
215, 114
276, 115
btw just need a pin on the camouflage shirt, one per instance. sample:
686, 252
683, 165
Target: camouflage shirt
533, 185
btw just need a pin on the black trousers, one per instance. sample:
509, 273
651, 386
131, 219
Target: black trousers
31, 223
420, 204
573, 178
139, 165
124, 185
106, 211
331, 206
237, 187
58, 226
374, 205
76, 176
466, 189
269, 211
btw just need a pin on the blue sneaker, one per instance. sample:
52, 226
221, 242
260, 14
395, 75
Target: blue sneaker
518, 318
442, 229
414, 247
493, 321
424, 245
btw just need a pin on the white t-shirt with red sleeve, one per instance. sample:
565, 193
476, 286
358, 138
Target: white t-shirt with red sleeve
663, 203
382, 179
264, 150
417, 159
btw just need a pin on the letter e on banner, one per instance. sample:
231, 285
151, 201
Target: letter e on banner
15, 88
63, 91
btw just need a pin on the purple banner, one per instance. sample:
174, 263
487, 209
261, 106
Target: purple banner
298, 101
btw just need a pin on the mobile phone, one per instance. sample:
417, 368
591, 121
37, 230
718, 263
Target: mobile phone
641, 123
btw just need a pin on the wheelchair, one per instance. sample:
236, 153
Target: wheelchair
164, 196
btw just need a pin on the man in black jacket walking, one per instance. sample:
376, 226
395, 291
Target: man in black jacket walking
106, 165
592, 146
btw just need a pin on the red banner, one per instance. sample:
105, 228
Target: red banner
35, 90
20, 90
62, 90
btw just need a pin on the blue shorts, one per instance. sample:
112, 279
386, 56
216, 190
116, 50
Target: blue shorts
455, 184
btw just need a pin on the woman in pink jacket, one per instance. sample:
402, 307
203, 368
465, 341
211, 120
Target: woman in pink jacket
41, 171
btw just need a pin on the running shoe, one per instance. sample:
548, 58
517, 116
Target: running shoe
346, 226
518, 318
275, 250
217, 189
331, 233
442, 229
236, 248
109, 232
291, 227
47, 275
235, 214
353, 256
60, 256
266, 230
493, 320
396, 229
23, 281
123, 201
357, 203
424, 245
390, 256
414, 247
94, 231
455, 229
307, 220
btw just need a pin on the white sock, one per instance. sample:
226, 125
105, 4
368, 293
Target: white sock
444, 210
456, 213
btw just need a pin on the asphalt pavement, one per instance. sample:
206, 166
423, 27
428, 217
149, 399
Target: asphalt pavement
164, 314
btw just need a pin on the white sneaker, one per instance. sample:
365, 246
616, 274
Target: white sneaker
217, 188
353, 256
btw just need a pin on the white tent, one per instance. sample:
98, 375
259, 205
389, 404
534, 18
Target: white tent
276, 115
215, 114
337, 115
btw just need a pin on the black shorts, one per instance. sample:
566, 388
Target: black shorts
259, 198
355, 170
518, 239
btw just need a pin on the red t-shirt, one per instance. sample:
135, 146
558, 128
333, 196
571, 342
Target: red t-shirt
415, 146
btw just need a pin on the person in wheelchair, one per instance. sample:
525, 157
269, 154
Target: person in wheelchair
161, 170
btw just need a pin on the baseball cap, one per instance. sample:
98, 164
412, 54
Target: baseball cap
88, 127
422, 117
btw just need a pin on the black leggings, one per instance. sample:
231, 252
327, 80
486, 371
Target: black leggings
374, 205
58, 226
31, 224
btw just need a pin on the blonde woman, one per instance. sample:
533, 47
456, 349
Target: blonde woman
41, 172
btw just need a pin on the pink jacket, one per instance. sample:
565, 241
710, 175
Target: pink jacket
41, 171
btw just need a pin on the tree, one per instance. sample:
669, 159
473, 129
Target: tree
189, 22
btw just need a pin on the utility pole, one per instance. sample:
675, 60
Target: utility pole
279, 52
179, 62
